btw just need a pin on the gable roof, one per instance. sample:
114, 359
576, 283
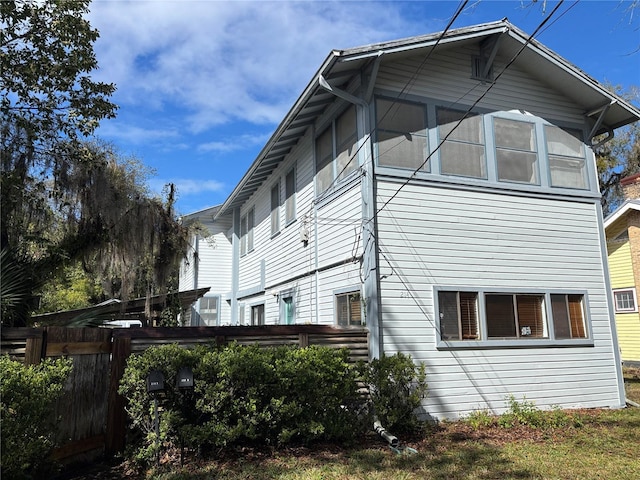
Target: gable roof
341, 66
621, 211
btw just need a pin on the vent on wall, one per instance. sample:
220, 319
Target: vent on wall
479, 70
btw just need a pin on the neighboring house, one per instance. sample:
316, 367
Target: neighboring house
440, 190
622, 228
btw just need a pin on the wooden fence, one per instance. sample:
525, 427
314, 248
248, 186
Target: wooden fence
93, 419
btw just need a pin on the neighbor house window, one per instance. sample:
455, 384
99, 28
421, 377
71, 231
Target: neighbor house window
349, 309
290, 196
624, 300
336, 150
246, 232
510, 316
567, 162
401, 134
257, 314
209, 311
458, 315
275, 208
462, 151
516, 157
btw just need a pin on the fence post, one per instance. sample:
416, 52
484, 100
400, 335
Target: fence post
35, 347
116, 416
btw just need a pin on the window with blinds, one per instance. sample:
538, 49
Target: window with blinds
349, 309
458, 315
510, 316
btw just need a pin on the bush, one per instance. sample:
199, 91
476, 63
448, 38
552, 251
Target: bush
397, 386
27, 399
244, 394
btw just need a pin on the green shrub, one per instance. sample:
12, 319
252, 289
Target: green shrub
175, 406
243, 394
27, 399
480, 418
396, 388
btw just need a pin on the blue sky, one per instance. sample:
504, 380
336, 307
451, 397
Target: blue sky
201, 85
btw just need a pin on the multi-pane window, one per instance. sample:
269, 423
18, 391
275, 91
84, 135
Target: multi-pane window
458, 315
401, 130
257, 314
516, 156
509, 316
290, 196
567, 162
515, 316
625, 300
246, 232
462, 150
275, 208
349, 309
209, 313
336, 150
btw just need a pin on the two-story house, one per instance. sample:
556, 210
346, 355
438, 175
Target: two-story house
442, 191
622, 229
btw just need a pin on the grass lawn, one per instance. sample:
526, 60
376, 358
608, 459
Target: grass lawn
599, 444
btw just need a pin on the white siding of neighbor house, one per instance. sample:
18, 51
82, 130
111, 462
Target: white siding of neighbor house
214, 269
449, 237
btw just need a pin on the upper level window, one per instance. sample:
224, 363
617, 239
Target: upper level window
624, 300
275, 208
349, 309
336, 150
401, 130
462, 150
510, 316
246, 232
290, 196
516, 155
567, 162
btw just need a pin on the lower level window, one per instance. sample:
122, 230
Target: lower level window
287, 310
510, 316
349, 310
257, 314
209, 310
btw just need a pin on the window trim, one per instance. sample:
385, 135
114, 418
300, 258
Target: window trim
346, 292
216, 321
337, 177
274, 215
490, 180
484, 342
247, 225
290, 197
634, 296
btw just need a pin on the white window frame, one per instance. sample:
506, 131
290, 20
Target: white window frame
214, 321
255, 309
247, 223
339, 151
634, 298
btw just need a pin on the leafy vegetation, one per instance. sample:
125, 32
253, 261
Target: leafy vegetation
27, 398
248, 395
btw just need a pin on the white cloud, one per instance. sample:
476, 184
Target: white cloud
234, 144
228, 61
187, 186
134, 134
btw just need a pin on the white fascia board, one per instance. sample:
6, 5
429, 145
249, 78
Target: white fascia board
622, 210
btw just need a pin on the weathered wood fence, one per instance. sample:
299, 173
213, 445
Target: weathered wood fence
93, 418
